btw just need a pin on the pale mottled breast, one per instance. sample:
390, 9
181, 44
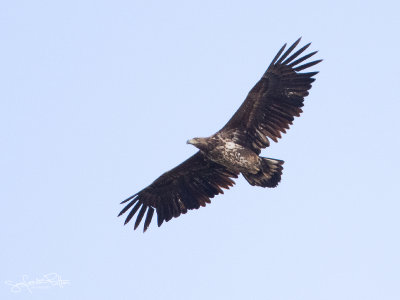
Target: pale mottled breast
234, 156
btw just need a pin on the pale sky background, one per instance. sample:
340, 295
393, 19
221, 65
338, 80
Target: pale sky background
98, 99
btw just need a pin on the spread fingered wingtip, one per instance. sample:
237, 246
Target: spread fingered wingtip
301, 59
132, 212
129, 198
127, 207
307, 65
148, 219
296, 54
277, 56
288, 51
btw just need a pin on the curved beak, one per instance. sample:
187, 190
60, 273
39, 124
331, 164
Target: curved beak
191, 141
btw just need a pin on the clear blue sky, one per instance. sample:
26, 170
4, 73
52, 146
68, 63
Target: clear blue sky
97, 100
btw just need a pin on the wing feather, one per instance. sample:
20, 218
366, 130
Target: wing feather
132, 212
288, 51
149, 216
140, 215
188, 186
271, 105
296, 54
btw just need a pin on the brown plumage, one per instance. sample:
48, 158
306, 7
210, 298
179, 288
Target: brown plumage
268, 110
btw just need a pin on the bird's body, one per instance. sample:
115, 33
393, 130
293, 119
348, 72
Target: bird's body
235, 157
222, 149
268, 110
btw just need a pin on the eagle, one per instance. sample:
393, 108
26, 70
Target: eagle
268, 110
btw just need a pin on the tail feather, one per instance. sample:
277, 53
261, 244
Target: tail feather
269, 175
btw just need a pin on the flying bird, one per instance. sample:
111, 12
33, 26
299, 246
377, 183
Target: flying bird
268, 110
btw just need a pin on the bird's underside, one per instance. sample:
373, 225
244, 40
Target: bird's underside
223, 148
267, 111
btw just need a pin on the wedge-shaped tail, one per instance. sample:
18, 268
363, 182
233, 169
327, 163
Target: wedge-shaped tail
269, 175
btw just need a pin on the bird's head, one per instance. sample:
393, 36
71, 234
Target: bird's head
200, 143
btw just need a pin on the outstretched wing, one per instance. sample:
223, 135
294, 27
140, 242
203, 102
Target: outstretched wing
187, 186
272, 104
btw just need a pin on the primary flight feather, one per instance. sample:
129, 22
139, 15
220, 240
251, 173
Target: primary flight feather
268, 110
